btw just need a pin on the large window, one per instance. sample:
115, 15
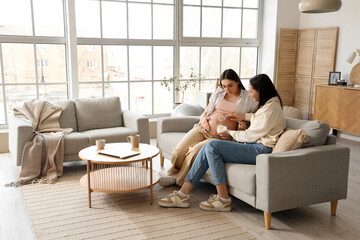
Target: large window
124, 48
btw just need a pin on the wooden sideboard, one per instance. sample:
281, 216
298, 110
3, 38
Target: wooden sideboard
338, 106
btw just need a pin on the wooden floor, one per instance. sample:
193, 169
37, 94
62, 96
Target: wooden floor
311, 222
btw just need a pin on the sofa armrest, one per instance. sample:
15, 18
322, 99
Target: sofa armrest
176, 124
301, 177
139, 123
19, 132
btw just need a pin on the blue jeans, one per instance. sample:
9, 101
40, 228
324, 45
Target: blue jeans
216, 153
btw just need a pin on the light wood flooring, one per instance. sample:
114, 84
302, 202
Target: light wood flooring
311, 222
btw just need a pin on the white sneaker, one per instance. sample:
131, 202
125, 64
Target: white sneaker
214, 203
175, 200
166, 181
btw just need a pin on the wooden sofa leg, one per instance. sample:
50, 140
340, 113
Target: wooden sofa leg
161, 160
333, 207
267, 217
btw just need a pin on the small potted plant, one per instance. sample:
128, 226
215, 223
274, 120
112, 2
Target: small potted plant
181, 86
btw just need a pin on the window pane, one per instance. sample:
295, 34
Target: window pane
48, 18
115, 63
2, 110
190, 95
211, 2
192, 2
114, 20
210, 62
118, 90
53, 93
87, 18
89, 63
140, 63
164, 1
250, 23
51, 63
163, 99
92, 90
18, 60
208, 85
232, 3
251, 3
18, 94
163, 22
232, 23
139, 21
248, 62
211, 22
230, 58
140, 97
163, 62
15, 20
189, 59
191, 22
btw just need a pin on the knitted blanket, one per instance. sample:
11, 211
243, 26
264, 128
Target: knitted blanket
43, 155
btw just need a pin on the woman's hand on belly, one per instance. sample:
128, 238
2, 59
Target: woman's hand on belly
205, 123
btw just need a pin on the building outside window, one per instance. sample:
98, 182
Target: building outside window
124, 48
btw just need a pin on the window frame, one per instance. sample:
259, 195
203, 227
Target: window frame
71, 41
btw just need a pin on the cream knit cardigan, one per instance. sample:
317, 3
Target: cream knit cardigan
267, 124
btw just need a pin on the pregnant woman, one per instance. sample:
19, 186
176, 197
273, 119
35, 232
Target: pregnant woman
231, 98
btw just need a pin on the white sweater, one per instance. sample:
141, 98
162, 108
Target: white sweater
267, 123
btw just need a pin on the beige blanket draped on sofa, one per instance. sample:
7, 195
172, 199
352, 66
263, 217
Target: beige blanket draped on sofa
43, 155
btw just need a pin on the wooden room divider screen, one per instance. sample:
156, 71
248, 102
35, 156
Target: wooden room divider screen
304, 59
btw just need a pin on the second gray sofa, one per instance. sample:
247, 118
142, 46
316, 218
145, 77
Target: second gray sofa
90, 119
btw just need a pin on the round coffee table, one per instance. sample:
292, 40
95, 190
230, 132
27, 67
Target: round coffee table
115, 175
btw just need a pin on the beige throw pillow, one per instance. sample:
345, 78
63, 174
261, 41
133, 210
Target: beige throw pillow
290, 140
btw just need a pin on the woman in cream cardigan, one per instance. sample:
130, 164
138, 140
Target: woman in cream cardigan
267, 123
230, 98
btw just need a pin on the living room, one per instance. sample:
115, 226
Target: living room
90, 57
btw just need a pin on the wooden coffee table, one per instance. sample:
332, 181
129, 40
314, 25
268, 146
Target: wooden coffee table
115, 175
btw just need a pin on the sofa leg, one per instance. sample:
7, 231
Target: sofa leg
267, 217
161, 160
333, 207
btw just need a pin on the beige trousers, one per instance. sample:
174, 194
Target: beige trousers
186, 151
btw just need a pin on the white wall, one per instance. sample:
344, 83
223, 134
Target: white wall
277, 14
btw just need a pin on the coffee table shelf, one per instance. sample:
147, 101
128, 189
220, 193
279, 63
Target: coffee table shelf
114, 175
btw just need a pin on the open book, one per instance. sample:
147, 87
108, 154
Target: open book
119, 153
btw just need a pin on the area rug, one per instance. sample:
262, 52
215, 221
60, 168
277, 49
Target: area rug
60, 211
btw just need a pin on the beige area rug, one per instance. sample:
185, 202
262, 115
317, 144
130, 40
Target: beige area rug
60, 211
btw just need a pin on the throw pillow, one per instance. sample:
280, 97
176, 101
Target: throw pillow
290, 140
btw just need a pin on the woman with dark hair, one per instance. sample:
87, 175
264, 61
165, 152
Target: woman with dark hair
267, 123
231, 98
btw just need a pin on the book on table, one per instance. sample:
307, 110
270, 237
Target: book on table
119, 153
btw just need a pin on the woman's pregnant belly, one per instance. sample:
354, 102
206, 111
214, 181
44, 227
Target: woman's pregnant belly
215, 120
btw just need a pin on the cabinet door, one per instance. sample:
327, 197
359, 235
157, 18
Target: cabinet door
328, 105
350, 119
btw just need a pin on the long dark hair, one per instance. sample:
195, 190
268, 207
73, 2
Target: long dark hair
266, 89
233, 76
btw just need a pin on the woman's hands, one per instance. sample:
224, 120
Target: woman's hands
205, 123
237, 117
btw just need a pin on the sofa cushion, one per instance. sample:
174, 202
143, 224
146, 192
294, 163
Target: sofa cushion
98, 113
116, 134
74, 142
68, 116
239, 176
315, 131
170, 140
290, 140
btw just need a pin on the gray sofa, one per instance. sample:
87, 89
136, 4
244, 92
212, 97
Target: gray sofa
315, 173
90, 119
